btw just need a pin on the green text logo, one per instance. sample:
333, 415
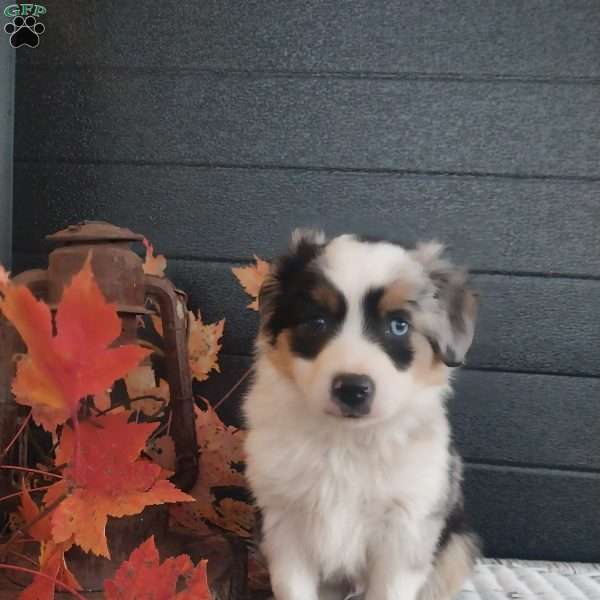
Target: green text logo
22, 10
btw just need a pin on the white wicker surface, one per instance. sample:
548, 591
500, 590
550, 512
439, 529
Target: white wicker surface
495, 579
532, 580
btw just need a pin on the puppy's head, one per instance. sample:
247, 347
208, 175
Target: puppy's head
362, 328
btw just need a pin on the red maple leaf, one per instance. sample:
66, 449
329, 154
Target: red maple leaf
143, 577
52, 555
60, 369
106, 477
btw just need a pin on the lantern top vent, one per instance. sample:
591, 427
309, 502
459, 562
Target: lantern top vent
94, 232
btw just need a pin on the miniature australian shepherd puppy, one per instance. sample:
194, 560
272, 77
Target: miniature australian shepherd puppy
349, 454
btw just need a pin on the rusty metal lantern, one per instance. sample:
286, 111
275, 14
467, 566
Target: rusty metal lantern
119, 273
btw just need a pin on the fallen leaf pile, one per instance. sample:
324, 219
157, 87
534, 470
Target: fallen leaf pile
221, 458
111, 460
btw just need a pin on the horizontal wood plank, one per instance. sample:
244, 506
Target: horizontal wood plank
498, 418
529, 419
440, 126
490, 223
526, 323
530, 324
525, 513
536, 38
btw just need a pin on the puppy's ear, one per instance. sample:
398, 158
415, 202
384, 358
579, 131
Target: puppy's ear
305, 245
306, 237
267, 294
448, 309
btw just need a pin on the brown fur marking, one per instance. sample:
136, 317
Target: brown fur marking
327, 297
280, 354
397, 296
427, 366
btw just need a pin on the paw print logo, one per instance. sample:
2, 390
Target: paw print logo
24, 32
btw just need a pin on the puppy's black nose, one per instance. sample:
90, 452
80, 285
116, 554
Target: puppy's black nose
353, 394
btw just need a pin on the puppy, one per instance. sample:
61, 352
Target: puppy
349, 454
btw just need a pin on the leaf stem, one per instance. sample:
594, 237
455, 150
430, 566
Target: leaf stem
16, 436
48, 509
28, 470
36, 489
101, 413
25, 557
235, 387
39, 574
149, 397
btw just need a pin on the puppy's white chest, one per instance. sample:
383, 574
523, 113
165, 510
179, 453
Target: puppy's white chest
340, 499
340, 511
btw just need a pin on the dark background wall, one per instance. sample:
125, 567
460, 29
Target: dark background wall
7, 80
215, 127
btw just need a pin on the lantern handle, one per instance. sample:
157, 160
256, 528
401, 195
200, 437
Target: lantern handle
174, 321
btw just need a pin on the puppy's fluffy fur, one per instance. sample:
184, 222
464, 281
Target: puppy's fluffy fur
358, 484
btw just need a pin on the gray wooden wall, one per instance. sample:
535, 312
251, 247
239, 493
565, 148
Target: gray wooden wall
215, 127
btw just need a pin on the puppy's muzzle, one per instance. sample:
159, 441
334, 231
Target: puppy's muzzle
353, 394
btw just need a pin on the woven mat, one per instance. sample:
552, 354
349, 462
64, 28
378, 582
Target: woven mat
529, 580
495, 579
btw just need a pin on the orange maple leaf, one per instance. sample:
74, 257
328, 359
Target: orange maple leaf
221, 453
52, 555
154, 265
108, 479
204, 346
143, 577
60, 369
252, 277
4, 277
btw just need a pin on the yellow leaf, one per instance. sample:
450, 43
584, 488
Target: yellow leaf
162, 451
142, 382
154, 265
252, 277
221, 452
204, 346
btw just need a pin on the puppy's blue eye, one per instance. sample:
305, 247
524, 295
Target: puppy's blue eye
398, 327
